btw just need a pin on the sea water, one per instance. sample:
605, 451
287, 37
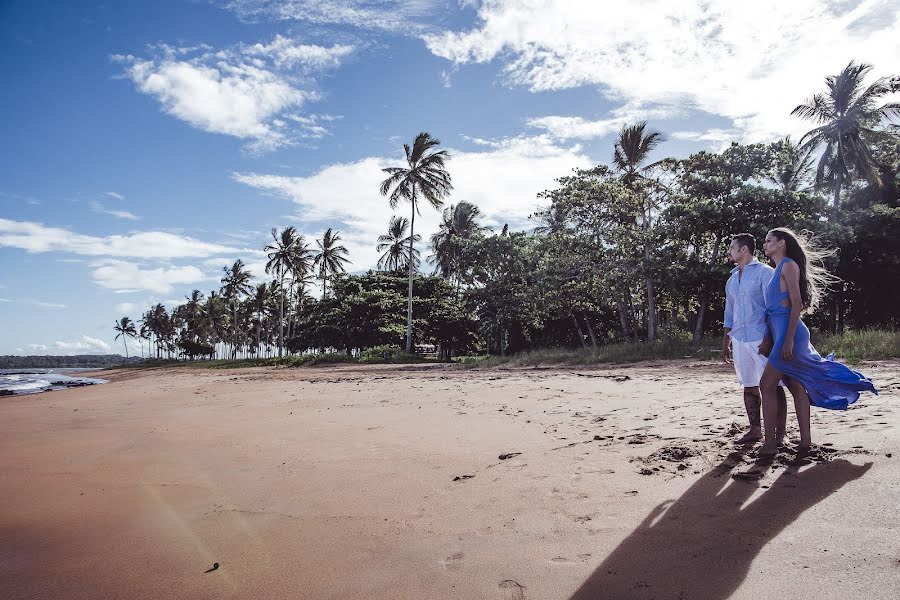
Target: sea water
31, 381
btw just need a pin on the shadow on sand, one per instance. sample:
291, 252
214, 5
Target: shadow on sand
700, 546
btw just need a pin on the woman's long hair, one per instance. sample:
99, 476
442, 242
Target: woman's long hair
814, 278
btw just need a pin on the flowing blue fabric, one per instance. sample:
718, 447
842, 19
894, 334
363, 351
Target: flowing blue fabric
829, 384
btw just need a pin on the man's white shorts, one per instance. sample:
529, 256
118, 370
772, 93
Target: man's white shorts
749, 364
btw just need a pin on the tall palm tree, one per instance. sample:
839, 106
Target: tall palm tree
282, 256
850, 123
331, 257
259, 300
235, 284
425, 176
459, 222
632, 149
396, 247
125, 329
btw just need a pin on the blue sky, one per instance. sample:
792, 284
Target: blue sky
148, 144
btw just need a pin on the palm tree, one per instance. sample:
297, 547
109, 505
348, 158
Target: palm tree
458, 223
849, 124
282, 256
793, 166
550, 220
236, 283
632, 150
630, 155
259, 300
396, 247
330, 258
423, 175
125, 329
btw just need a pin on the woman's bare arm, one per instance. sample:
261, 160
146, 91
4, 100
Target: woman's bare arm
791, 274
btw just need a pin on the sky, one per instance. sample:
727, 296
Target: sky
147, 145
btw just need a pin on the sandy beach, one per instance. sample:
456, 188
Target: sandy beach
437, 482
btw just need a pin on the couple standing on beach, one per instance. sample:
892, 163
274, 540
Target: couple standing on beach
769, 344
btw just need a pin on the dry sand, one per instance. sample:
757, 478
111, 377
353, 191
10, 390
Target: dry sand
376, 482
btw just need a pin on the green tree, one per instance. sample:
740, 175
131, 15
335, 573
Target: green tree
125, 329
459, 222
331, 257
235, 284
850, 123
423, 176
630, 157
396, 246
282, 254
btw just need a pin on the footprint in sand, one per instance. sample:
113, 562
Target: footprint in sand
453, 562
511, 590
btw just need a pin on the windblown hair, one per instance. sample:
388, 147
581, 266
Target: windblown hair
815, 280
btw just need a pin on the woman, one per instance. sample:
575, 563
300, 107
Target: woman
796, 285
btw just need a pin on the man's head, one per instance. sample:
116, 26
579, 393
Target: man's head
742, 248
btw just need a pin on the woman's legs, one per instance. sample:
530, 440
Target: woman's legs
768, 388
801, 407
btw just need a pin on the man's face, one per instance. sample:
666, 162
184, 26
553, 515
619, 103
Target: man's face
736, 252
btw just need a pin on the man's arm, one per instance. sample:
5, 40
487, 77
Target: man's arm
728, 324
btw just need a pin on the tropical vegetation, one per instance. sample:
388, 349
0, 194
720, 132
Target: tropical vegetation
625, 253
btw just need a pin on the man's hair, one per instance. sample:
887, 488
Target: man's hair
745, 239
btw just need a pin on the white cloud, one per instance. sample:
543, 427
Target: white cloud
123, 276
126, 307
578, 128
503, 180
36, 237
37, 347
48, 304
115, 195
87, 344
401, 16
247, 91
750, 62
119, 214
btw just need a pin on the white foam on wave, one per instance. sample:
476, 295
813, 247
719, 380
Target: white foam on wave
20, 386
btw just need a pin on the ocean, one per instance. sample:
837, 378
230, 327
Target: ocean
32, 381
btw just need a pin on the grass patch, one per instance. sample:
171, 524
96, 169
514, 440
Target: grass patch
626, 352
856, 346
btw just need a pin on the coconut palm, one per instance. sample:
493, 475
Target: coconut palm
282, 253
459, 222
423, 176
550, 220
330, 258
235, 284
793, 166
125, 329
396, 247
850, 122
632, 149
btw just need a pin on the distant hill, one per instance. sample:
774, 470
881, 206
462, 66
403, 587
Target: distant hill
59, 362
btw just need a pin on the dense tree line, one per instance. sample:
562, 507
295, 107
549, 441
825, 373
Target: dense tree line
85, 361
630, 251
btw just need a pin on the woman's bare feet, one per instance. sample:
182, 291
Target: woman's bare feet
751, 437
768, 449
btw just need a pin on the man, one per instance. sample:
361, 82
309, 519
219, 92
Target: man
745, 328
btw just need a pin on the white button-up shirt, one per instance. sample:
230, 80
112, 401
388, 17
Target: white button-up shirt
745, 306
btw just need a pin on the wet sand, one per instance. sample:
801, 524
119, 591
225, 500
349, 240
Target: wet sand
436, 482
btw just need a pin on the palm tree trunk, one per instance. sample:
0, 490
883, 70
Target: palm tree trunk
837, 189
590, 329
580, 332
409, 304
281, 315
233, 329
126, 347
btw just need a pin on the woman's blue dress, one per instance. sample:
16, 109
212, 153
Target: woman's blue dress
829, 384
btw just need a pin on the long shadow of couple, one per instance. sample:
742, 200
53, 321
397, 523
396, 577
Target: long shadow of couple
700, 546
